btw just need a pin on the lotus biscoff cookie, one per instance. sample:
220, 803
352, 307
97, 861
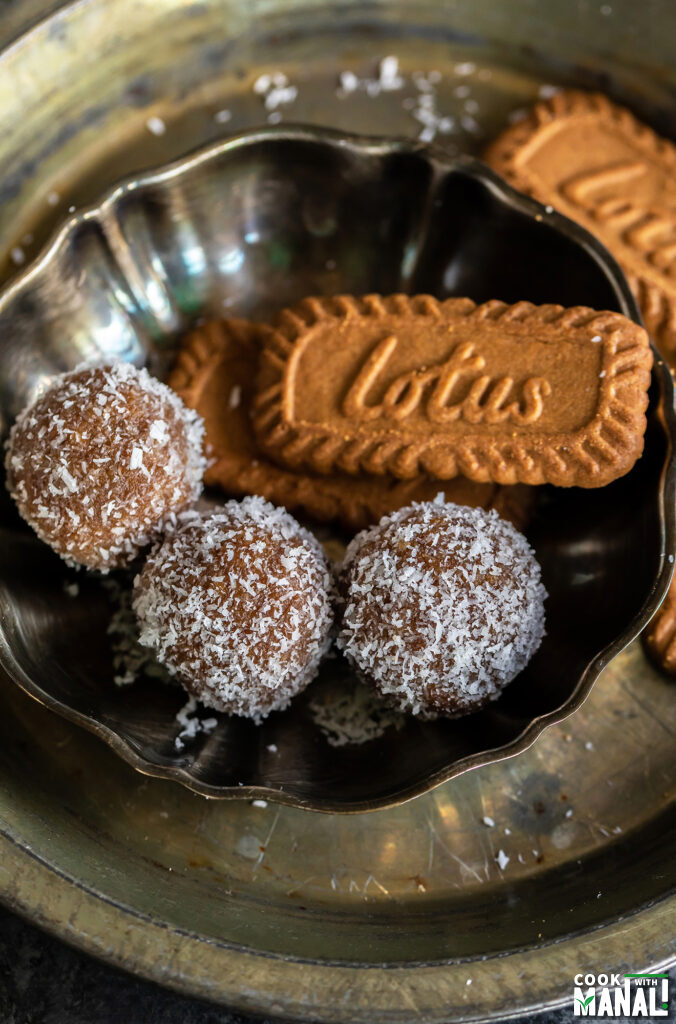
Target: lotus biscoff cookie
659, 637
596, 163
215, 373
496, 393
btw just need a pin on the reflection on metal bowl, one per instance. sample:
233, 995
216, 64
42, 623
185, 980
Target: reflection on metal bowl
253, 222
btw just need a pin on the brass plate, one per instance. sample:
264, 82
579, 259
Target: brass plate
276, 909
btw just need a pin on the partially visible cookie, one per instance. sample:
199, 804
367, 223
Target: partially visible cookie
596, 163
403, 385
659, 637
215, 373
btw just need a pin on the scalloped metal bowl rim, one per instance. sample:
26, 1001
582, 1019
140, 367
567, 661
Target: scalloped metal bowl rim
375, 146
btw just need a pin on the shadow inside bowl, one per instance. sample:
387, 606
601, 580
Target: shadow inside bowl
256, 224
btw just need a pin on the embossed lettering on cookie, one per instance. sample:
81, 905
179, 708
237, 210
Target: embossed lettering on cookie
598, 164
497, 393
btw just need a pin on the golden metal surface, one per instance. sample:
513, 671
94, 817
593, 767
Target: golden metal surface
256, 906
421, 883
558, 801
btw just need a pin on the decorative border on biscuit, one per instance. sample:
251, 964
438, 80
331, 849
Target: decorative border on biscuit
317, 497
659, 638
203, 348
502, 152
603, 450
657, 306
197, 359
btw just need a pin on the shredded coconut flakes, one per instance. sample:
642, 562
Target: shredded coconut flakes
104, 462
192, 724
441, 597
237, 604
130, 660
353, 716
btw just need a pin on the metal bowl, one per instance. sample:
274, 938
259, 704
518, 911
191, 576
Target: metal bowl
248, 225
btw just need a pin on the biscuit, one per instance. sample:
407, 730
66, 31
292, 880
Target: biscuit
659, 637
596, 163
214, 374
497, 393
